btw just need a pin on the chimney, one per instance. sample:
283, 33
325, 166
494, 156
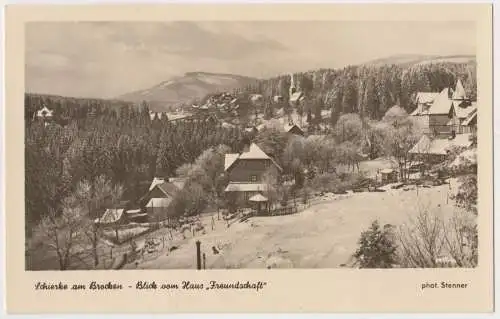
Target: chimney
246, 148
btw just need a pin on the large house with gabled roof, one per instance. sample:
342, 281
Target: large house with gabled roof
249, 173
446, 113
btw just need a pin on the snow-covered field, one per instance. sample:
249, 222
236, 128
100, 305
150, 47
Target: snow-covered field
323, 236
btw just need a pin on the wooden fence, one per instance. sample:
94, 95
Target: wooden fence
284, 211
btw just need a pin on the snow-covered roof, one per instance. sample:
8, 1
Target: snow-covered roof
111, 215
296, 96
245, 187
133, 211
230, 159
440, 146
442, 103
156, 181
459, 93
426, 97
152, 114
463, 112
469, 118
159, 202
254, 152
387, 171
45, 112
256, 97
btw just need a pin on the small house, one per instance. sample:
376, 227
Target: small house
156, 202
112, 216
157, 112
294, 129
436, 149
388, 175
278, 98
424, 101
45, 113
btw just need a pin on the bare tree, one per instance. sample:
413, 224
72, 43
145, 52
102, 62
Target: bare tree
271, 188
430, 241
461, 239
422, 241
91, 197
401, 137
60, 231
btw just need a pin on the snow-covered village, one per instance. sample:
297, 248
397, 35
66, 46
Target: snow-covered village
371, 164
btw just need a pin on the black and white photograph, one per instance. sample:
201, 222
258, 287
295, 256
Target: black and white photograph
250, 145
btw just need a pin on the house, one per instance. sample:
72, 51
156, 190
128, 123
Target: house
445, 113
178, 182
388, 175
250, 172
436, 149
211, 118
156, 181
424, 101
256, 98
45, 113
157, 115
251, 129
112, 216
157, 201
278, 98
465, 119
294, 129
157, 112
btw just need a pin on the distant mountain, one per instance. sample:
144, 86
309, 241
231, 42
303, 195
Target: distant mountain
183, 89
412, 59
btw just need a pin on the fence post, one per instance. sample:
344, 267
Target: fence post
204, 261
198, 255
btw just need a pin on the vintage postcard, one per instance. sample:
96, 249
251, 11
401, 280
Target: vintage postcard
249, 158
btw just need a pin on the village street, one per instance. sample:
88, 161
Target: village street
324, 235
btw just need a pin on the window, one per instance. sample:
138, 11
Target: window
253, 178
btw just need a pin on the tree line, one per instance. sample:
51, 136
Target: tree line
366, 90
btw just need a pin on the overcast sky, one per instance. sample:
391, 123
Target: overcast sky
106, 59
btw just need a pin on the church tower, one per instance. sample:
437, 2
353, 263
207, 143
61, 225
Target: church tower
293, 85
